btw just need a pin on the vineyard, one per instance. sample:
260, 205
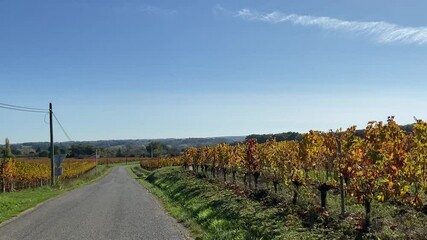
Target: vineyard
112, 160
19, 174
23, 173
387, 164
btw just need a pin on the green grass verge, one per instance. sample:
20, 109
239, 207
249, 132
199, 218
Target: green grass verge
13, 203
212, 211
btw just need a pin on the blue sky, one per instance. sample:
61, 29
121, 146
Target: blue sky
159, 69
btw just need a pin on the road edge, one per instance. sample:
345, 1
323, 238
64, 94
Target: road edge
181, 228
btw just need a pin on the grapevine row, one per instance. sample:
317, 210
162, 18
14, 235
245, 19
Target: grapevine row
386, 164
20, 174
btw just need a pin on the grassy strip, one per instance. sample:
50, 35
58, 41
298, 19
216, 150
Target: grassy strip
13, 203
213, 211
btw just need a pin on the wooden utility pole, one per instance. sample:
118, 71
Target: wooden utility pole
52, 164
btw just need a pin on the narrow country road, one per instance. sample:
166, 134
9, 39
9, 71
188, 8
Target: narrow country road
115, 207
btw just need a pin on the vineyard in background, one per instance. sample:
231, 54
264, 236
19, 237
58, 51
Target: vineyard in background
112, 160
386, 164
20, 174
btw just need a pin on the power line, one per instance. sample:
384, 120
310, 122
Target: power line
34, 110
62, 128
27, 108
23, 110
47, 114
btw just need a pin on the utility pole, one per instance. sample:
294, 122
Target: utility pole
52, 164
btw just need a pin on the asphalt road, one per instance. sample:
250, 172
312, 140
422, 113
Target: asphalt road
115, 207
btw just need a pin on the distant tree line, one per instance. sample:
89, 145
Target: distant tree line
295, 136
157, 149
152, 149
146, 148
286, 136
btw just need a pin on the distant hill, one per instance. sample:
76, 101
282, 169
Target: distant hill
134, 144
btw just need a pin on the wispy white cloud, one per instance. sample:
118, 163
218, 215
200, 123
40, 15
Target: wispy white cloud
220, 10
381, 32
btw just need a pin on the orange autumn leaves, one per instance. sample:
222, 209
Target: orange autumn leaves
384, 163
